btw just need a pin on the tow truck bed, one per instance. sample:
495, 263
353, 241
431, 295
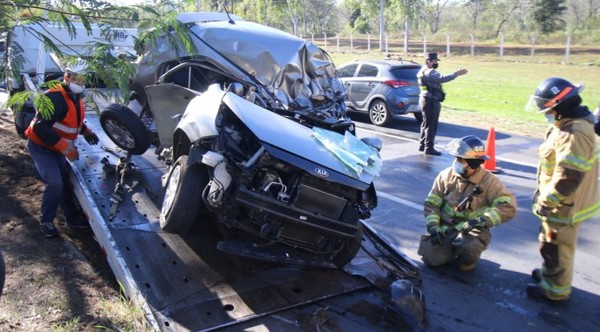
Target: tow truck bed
185, 283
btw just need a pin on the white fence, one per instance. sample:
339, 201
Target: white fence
368, 43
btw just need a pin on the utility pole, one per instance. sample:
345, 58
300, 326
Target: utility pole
381, 36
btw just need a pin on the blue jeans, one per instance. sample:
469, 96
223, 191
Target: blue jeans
53, 169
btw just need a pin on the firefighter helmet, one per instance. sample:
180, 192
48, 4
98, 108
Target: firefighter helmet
468, 147
553, 92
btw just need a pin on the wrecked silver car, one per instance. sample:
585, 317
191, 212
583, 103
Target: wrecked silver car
255, 132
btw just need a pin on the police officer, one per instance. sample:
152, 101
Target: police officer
51, 143
430, 99
567, 178
464, 203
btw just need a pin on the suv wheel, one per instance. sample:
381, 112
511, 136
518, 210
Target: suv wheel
379, 114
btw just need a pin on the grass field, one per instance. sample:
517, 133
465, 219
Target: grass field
495, 92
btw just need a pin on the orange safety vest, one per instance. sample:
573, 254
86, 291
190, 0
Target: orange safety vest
67, 128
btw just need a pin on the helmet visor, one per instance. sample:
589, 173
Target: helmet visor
537, 104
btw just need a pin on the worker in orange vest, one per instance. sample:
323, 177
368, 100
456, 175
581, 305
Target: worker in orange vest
51, 139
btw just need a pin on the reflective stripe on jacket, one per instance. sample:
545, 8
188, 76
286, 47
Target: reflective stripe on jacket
430, 82
570, 145
68, 127
496, 202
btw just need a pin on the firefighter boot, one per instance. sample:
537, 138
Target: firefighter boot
535, 291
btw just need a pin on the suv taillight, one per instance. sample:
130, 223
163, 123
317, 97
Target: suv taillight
397, 84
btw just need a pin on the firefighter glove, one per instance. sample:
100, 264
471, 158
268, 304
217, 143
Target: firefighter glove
481, 222
67, 149
90, 136
436, 234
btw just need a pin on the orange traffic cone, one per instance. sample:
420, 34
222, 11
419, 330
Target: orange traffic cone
490, 149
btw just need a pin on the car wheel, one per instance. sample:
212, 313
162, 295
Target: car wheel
418, 116
379, 113
125, 129
349, 249
182, 204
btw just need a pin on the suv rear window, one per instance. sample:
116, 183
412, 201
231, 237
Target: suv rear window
405, 73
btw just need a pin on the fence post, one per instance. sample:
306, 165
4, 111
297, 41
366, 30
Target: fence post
337, 40
405, 43
472, 44
424, 44
368, 42
385, 35
532, 45
568, 49
447, 44
325, 38
501, 45
312, 37
351, 44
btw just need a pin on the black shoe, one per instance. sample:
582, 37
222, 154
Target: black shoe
433, 152
536, 274
535, 291
48, 229
421, 148
77, 223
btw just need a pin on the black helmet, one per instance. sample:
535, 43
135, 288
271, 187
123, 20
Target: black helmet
468, 147
555, 91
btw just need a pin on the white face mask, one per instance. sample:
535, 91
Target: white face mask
459, 168
550, 118
76, 88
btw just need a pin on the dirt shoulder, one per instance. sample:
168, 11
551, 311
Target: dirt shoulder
54, 283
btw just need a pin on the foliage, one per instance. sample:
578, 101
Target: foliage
548, 14
111, 70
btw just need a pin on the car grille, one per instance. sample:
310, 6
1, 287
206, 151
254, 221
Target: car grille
315, 200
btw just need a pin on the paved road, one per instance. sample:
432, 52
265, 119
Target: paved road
492, 297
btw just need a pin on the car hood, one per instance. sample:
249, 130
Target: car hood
294, 70
296, 73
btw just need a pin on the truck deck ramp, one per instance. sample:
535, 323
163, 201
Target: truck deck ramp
185, 283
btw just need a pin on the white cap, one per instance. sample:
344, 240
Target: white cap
77, 67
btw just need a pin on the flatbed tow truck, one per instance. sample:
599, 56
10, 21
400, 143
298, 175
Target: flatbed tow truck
186, 283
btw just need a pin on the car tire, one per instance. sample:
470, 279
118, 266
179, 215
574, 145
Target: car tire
379, 113
125, 129
182, 204
349, 249
418, 116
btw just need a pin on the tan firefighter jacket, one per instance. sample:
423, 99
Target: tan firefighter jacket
568, 172
496, 202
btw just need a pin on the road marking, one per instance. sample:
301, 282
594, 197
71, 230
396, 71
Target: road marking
506, 160
400, 200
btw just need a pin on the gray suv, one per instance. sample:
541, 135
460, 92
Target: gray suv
383, 88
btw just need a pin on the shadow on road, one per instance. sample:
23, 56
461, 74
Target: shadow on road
407, 124
491, 291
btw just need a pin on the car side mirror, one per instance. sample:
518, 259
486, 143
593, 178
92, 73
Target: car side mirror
373, 142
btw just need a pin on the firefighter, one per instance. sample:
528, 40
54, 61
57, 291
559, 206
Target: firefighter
567, 184
464, 203
51, 143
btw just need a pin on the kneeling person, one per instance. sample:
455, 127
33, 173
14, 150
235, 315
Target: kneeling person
463, 204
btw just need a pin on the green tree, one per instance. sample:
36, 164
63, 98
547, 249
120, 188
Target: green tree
115, 72
548, 15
